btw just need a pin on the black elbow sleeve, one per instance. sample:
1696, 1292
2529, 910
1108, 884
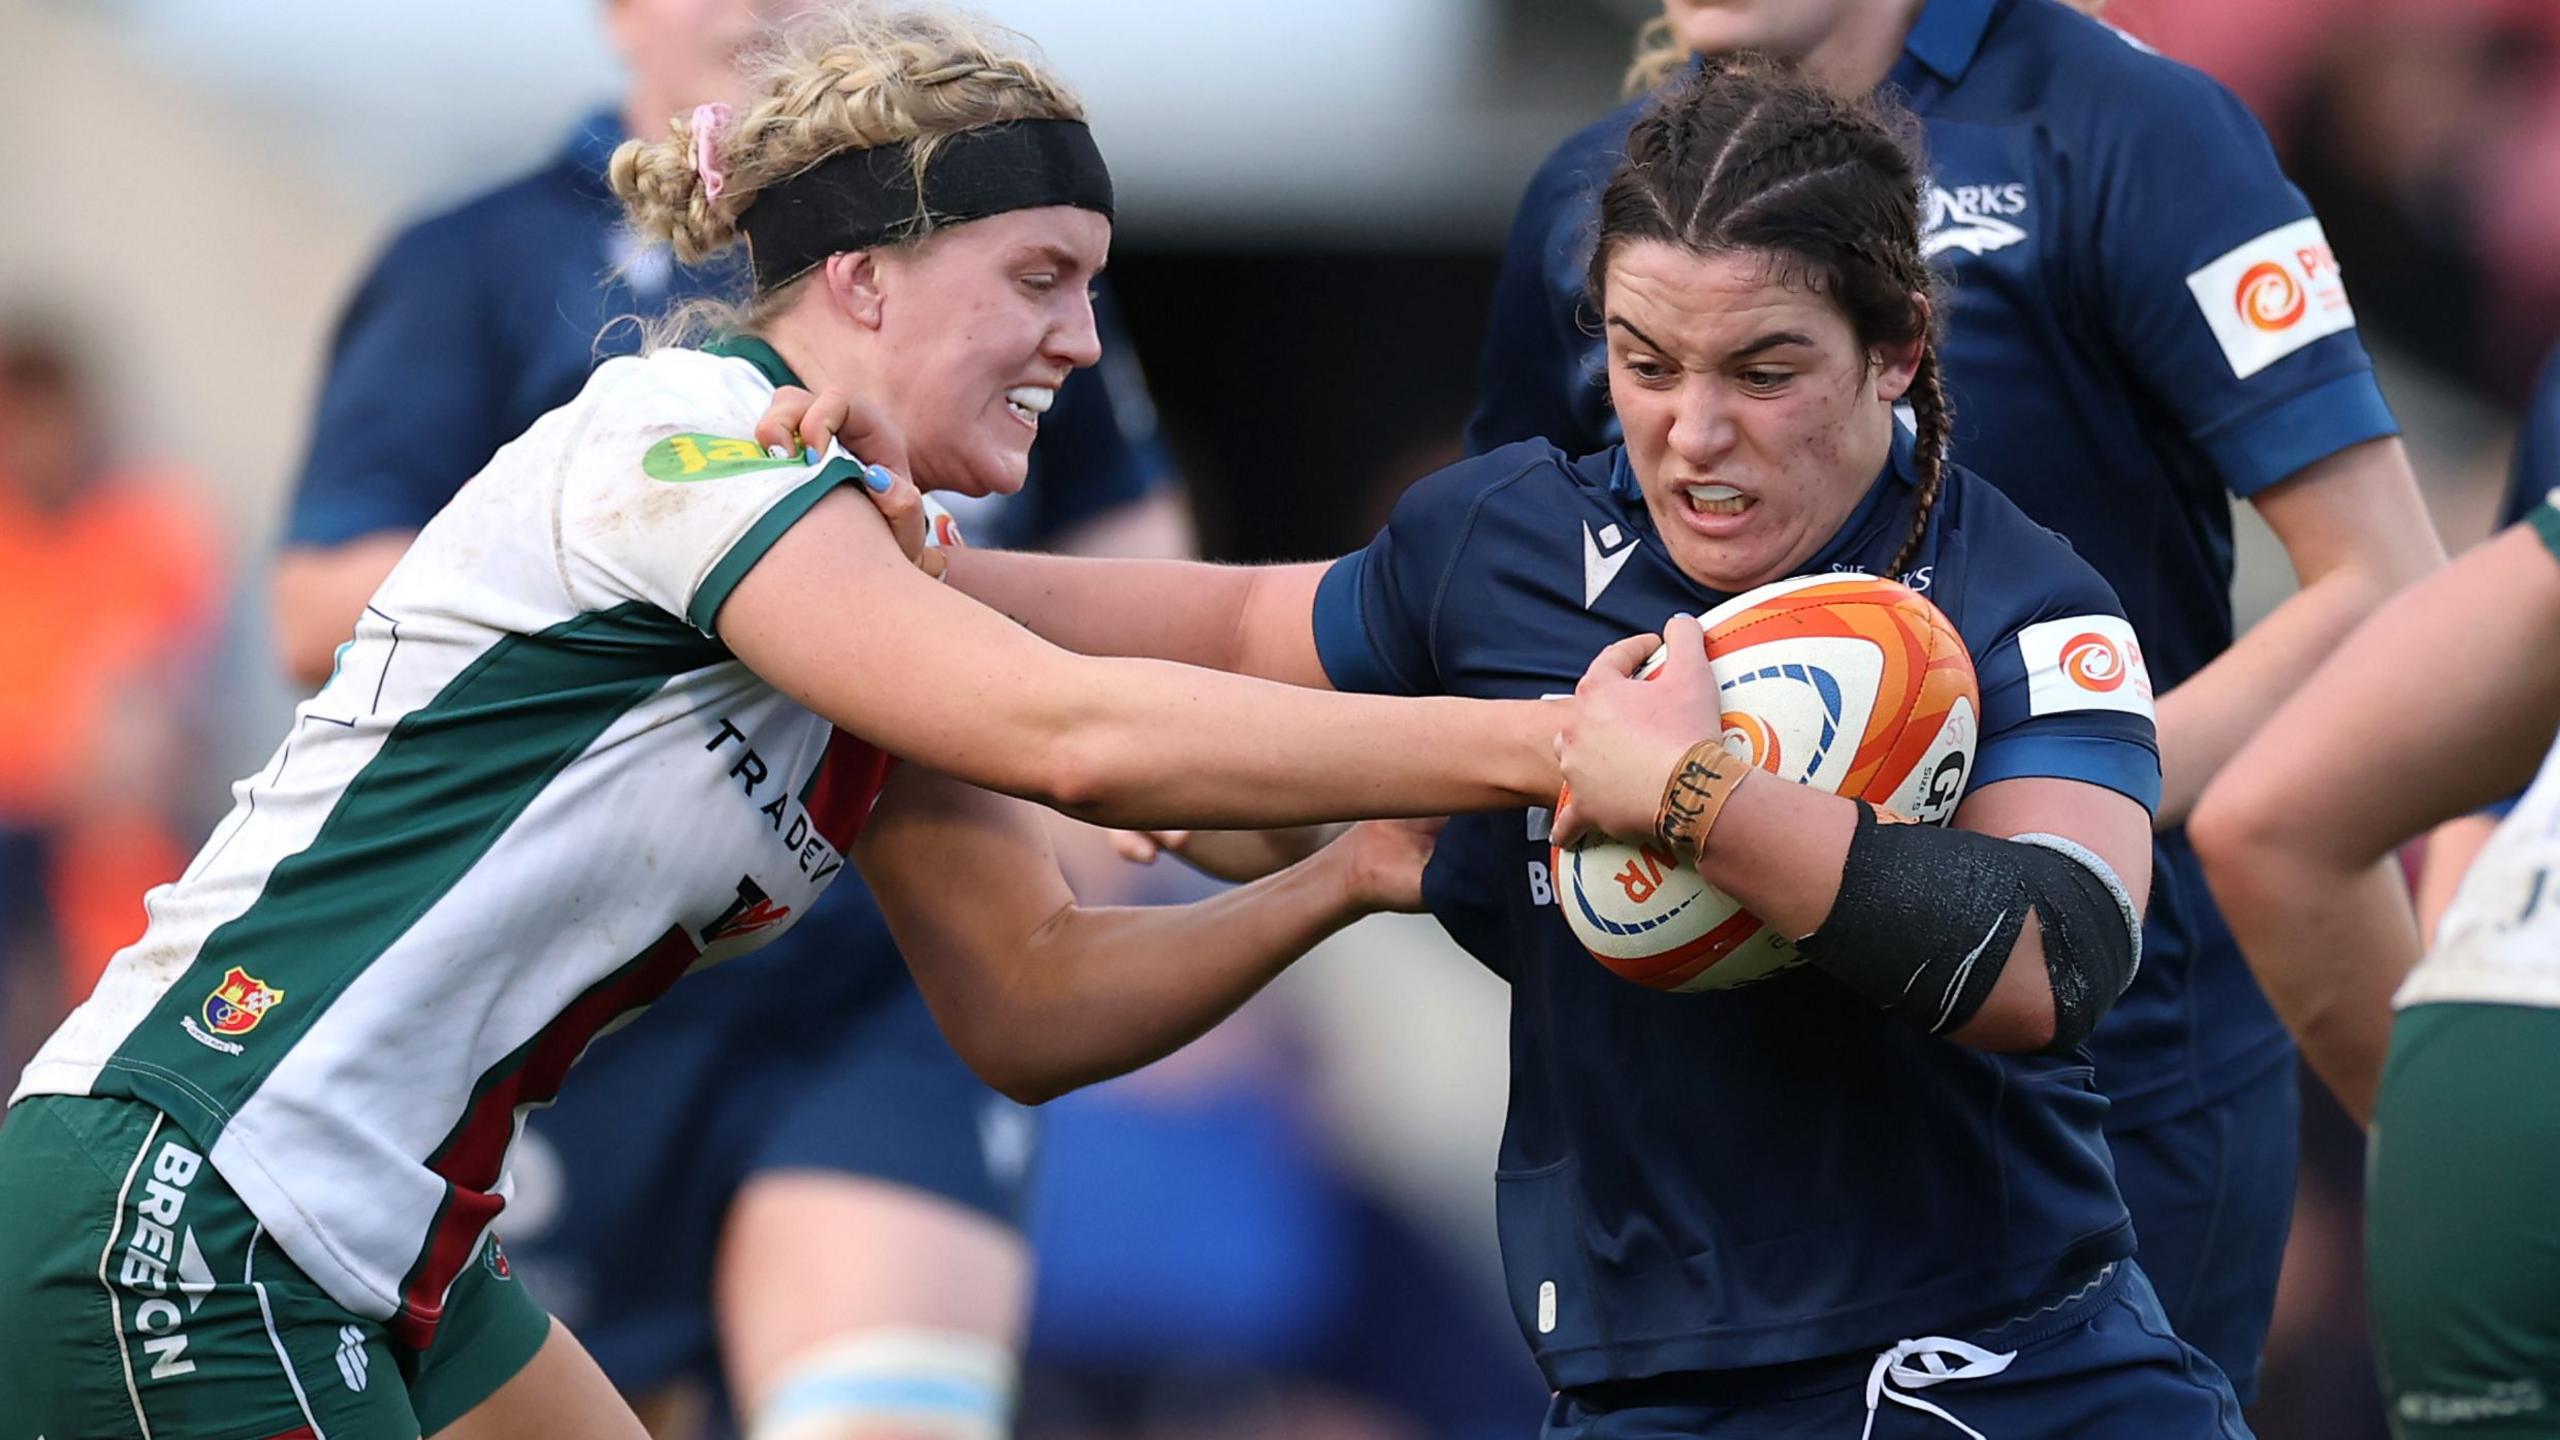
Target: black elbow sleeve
1926, 918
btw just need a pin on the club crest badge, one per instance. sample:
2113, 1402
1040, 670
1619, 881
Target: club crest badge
237, 1005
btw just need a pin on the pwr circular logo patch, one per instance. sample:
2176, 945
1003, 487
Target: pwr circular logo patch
2269, 297
2093, 662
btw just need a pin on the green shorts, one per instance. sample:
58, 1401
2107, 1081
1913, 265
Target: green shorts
143, 1299
2462, 1234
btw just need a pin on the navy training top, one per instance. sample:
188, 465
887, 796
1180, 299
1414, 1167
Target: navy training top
2145, 320
477, 321
1767, 1174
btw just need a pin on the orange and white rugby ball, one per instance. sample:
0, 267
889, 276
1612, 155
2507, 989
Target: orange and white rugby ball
1848, 683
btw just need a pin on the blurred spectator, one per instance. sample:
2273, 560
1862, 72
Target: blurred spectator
110, 575
2393, 141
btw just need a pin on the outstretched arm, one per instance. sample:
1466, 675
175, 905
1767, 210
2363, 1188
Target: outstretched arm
1244, 619
2297, 834
1040, 995
833, 615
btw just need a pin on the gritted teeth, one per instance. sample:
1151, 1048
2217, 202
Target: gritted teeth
1035, 399
1718, 499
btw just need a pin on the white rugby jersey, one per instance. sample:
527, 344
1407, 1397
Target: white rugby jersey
2499, 942
536, 791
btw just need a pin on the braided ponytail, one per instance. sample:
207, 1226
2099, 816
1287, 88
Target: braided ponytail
1935, 421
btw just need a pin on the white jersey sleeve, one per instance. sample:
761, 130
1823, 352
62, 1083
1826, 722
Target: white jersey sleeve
669, 500
2499, 941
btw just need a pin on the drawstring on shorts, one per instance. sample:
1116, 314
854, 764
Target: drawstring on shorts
1919, 1364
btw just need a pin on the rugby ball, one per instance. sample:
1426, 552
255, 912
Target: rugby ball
1851, 684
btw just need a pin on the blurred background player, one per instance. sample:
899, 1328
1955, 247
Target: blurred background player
2299, 840
666, 1204
111, 575
2146, 320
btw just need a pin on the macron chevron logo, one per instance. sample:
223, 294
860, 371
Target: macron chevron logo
1603, 556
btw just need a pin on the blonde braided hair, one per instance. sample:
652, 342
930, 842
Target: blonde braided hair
849, 77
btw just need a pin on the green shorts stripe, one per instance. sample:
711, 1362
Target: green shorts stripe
106, 1255
275, 1341
2462, 1232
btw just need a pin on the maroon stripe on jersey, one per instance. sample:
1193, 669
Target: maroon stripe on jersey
475, 1151
848, 783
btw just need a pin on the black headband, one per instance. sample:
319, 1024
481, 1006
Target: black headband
856, 199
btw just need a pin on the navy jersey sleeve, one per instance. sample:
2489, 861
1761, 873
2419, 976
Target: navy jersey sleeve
1098, 448
1377, 609
1543, 374
2218, 286
411, 405
2065, 694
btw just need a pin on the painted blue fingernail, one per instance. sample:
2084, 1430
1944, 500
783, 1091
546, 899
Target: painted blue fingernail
878, 478
808, 454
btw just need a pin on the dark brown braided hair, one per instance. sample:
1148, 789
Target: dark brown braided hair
1749, 155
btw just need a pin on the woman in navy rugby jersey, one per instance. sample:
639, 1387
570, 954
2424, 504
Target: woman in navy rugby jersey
2145, 321
1801, 1206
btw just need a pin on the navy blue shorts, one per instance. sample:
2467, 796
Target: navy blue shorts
623, 1188
2211, 1193
2102, 1364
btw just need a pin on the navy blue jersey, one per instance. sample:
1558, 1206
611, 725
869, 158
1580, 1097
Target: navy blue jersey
1761, 1175
2145, 321
478, 321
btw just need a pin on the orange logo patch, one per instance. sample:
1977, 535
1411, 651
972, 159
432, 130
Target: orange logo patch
2269, 297
2093, 662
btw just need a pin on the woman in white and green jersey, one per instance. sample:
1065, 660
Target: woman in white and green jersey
624, 709
2443, 702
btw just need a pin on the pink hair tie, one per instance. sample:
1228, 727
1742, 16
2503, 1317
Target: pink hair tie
708, 121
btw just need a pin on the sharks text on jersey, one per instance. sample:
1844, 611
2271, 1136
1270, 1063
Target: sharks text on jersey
1976, 219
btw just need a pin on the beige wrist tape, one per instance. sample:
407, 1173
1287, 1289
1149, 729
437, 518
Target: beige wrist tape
1699, 786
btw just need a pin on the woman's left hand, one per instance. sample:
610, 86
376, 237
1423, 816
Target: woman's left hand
1625, 736
798, 420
